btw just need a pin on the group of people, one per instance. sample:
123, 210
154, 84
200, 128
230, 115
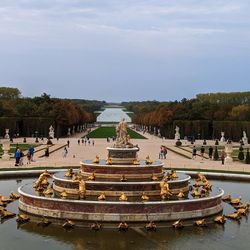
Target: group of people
210, 153
86, 141
19, 156
163, 152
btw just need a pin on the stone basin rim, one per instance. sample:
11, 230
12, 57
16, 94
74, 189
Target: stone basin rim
159, 164
126, 183
220, 194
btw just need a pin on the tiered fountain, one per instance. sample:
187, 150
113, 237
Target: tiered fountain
120, 188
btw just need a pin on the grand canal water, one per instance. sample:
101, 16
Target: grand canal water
232, 235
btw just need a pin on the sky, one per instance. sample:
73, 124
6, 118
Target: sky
126, 50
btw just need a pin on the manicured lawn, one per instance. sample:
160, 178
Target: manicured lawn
22, 146
104, 132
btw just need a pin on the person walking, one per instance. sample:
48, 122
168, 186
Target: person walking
93, 143
68, 142
31, 150
202, 152
194, 151
28, 157
78, 141
210, 152
65, 152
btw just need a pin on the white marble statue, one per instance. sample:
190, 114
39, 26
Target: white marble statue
244, 138
69, 132
6, 148
222, 139
177, 135
7, 136
51, 132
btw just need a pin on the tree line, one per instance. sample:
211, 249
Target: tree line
209, 107
63, 112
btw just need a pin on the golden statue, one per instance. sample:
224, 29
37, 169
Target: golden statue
102, 197
108, 161
165, 192
148, 160
200, 223
122, 137
144, 197
123, 226
220, 219
69, 173
235, 201
40, 179
7, 214
123, 197
96, 160
234, 216
64, 194
178, 224
151, 226
91, 177
44, 222
123, 178
173, 174
21, 218
49, 190
45, 182
154, 177
6, 199
180, 195
82, 189
68, 224
14, 196
136, 162
196, 192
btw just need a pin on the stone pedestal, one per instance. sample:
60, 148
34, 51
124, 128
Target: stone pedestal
6, 148
122, 155
229, 151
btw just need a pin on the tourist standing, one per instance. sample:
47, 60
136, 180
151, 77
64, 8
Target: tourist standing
194, 150
68, 143
21, 158
65, 152
17, 157
165, 151
222, 157
28, 157
78, 141
46, 154
210, 152
202, 152
93, 143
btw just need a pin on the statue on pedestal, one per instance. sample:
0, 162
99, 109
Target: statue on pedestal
244, 138
51, 132
69, 134
177, 135
122, 137
6, 148
7, 136
222, 139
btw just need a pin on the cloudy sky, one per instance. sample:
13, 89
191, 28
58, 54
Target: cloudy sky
117, 50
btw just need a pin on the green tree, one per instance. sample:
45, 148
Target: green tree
9, 93
216, 154
241, 154
247, 157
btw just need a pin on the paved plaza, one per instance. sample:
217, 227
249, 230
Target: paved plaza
151, 147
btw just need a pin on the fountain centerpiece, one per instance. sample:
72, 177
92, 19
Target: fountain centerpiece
123, 151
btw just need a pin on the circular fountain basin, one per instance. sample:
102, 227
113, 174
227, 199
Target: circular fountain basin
114, 172
111, 188
116, 211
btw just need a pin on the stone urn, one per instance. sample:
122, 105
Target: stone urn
229, 151
6, 148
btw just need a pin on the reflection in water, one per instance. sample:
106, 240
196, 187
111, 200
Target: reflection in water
232, 235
